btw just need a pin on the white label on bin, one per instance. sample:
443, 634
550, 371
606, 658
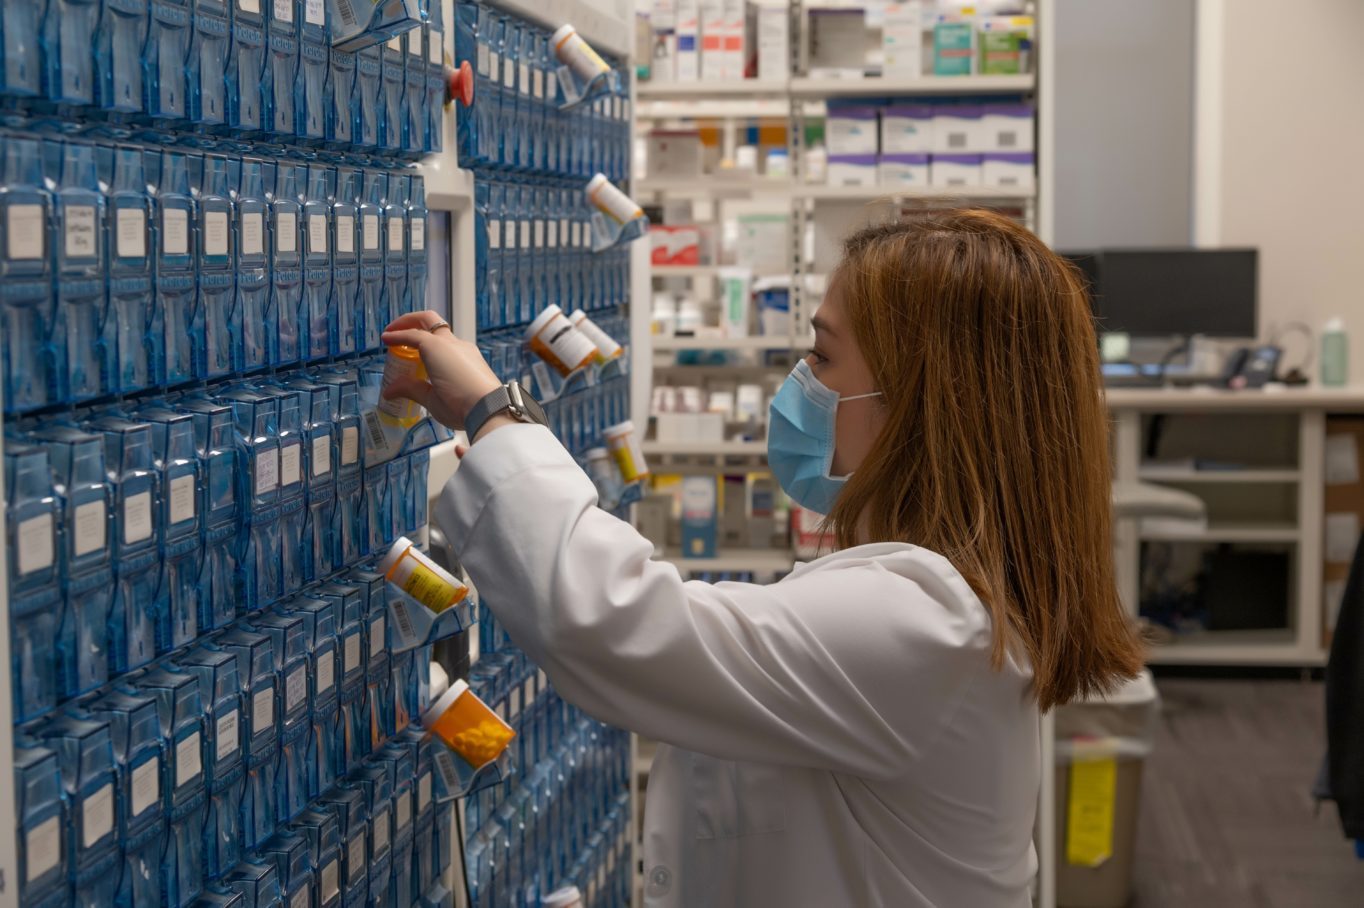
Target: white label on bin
484, 60
146, 786
215, 233
188, 761
301, 899
434, 52
36, 550
296, 688
137, 517
131, 230
418, 234
553, 235
524, 75
286, 232
175, 231
378, 641
262, 710
267, 470
345, 233
350, 445
395, 43
370, 225
414, 42
80, 231
317, 234
494, 234
508, 73
322, 455
331, 882
423, 792
248, 6
539, 234
380, 827
315, 12
284, 10
227, 735
25, 232
326, 669
90, 527
355, 859
352, 657
42, 848
539, 87
253, 233
402, 814
525, 235
551, 86
97, 816
395, 234
290, 464
182, 498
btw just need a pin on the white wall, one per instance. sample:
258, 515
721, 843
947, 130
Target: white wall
1292, 141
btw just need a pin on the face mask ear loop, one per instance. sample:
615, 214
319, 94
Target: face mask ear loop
860, 396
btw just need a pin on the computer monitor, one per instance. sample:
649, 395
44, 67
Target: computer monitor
1161, 292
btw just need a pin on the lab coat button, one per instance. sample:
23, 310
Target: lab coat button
660, 881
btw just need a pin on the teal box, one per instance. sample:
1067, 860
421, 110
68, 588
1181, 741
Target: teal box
953, 48
700, 516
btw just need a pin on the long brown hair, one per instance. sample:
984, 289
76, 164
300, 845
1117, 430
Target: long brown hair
995, 447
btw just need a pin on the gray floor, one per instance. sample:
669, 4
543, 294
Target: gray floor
1227, 818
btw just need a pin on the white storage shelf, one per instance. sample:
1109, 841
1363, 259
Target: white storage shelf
889, 86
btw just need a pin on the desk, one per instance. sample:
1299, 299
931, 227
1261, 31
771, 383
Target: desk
1275, 500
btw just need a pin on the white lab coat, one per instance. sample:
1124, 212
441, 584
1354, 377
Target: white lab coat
838, 738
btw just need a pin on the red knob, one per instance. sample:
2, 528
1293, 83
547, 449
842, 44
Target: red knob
459, 84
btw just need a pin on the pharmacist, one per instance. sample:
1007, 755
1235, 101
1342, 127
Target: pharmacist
865, 731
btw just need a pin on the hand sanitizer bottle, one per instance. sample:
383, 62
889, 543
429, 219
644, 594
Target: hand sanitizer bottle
177, 459
207, 63
255, 654
372, 258
310, 87
68, 34
291, 680
138, 618
118, 55
218, 266
221, 689
38, 816
293, 517
32, 378
31, 522
319, 827
324, 755
351, 533
247, 74
85, 753
287, 266
395, 247
317, 272
282, 69
82, 486
177, 317
128, 243
343, 188
253, 271
391, 71
170, 29
256, 416
215, 446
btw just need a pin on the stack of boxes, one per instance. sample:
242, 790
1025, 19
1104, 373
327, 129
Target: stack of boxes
717, 40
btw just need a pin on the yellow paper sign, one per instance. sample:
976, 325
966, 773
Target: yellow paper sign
1089, 822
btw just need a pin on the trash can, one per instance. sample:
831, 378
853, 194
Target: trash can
1101, 745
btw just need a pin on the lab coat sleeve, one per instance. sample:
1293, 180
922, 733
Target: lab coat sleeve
853, 668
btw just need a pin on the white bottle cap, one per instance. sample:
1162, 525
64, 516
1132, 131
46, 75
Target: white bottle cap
561, 33
597, 182
447, 700
395, 551
620, 428
550, 313
596, 454
1334, 324
568, 897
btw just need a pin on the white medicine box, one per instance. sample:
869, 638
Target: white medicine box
948, 170
903, 171
1008, 171
851, 130
906, 129
852, 170
1006, 127
957, 129
674, 153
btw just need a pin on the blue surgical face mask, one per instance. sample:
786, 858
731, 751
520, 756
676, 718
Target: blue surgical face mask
800, 439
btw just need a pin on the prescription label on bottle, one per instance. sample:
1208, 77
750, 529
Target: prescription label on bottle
42, 849
355, 859
137, 517
174, 231
36, 549
370, 226
267, 471
419, 234
26, 232
395, 234
90, 528
423, 792
326, 670
284, 10
322, 455
352, 654
188, 761
494, 234
146, 786
182, 498
130, 233
215, 233
425, 585
317, 234
378, 638
253, 233
302, 898
402, 814
380, 837
262, 710
97, 815
350, 445
315, 12
296, 688
290, 464
286, 232
1089, 820
80, 232
330, 882
227, 735
345, 233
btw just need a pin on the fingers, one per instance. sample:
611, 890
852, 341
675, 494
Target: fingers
409, 337
410, 388
460, 451
425, 320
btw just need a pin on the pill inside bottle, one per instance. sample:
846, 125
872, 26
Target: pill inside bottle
467, 725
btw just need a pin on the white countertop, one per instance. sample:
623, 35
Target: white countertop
1308, 397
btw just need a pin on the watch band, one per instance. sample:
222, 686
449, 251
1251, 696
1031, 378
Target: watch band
511, 397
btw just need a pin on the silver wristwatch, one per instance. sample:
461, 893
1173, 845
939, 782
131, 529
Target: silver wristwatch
511, 398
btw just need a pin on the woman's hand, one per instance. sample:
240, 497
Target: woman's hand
457, 375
